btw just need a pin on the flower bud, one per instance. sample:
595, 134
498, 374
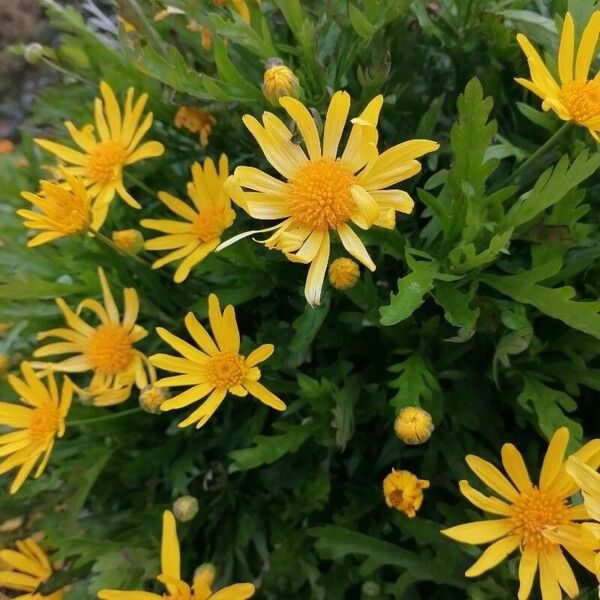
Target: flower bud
185, 508
4, 362
413, 425
129, 240
371, 589
151, 397
34, 53
404, 491
279, 81
343, 273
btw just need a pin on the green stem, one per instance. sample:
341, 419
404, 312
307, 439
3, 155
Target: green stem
103, 418
537, 154
100, 237
140, 184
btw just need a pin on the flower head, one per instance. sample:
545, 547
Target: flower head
107, 349
29, 568
102, 160
343, 273
62, 211
413, 425
213, 368
170, 576
573, 97
279, 81
36, 423
322, 192
526, 512
195, 120
199, 233
404, 491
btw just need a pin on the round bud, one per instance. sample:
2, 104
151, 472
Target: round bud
185, 508
34, 53
413, 425
279, 81
129, 240
343, 273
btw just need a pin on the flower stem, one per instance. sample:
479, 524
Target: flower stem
537, 154
103, 418
100, 237
140, 184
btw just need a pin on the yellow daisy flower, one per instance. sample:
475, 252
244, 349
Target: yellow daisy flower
214, 368
323, 192
36, 424
170, 576
61, 211
573, 97
30, 568
102, 160
204, 222
106, 349
526, 512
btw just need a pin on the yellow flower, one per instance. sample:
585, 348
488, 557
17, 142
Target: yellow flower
62, 211
195, 120
102, 161
129, 240
413, 425
36, 424
204, 222
30, 568
323, 193
279, 81
212, 369
526, 512
152, 397
574, 97
170, 576
106, 349
404, 491
343, 273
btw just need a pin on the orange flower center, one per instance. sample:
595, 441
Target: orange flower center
319, 194
582, 100
105, 161
226, 370
109, 349
534, 511
208, 225
44, 423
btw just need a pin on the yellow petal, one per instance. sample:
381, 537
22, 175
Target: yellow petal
493, 555
514, 465
566, 50
587, 47
479, 532
169, 554
316, 272
267, 397
335, 121
306, 125
528, 566
555, 455
492, 477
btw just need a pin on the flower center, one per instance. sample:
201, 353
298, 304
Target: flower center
582, 100
44, 423
533, 512
66, 209
105, 161
319, 194
208, 225
109, 349
226, 369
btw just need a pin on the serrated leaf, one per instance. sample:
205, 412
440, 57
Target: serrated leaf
415, 383
457, 310
465, 258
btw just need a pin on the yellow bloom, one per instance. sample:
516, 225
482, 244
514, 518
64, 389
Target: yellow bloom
324, 193
212, 369
204, 222
36, 424
279, 81
106, 349
413, 425
195, 120
574, 97
343, 273
129, 240
30, 568
526, 512
170, 576
102, 161
62, 211
404, 491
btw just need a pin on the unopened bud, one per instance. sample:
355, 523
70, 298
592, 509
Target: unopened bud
151, 397
413, 425
34, 53
343, 273
185, 508
370, 589
129, 240
279, 81
4, 362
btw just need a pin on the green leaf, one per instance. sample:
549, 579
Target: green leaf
229, 72
514, 342
269, 449
411, 292
456, 308
360, 23
537, 117
465, 258
415, 383
558, 303
549, 406
552, 186
536, 27
306, 327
